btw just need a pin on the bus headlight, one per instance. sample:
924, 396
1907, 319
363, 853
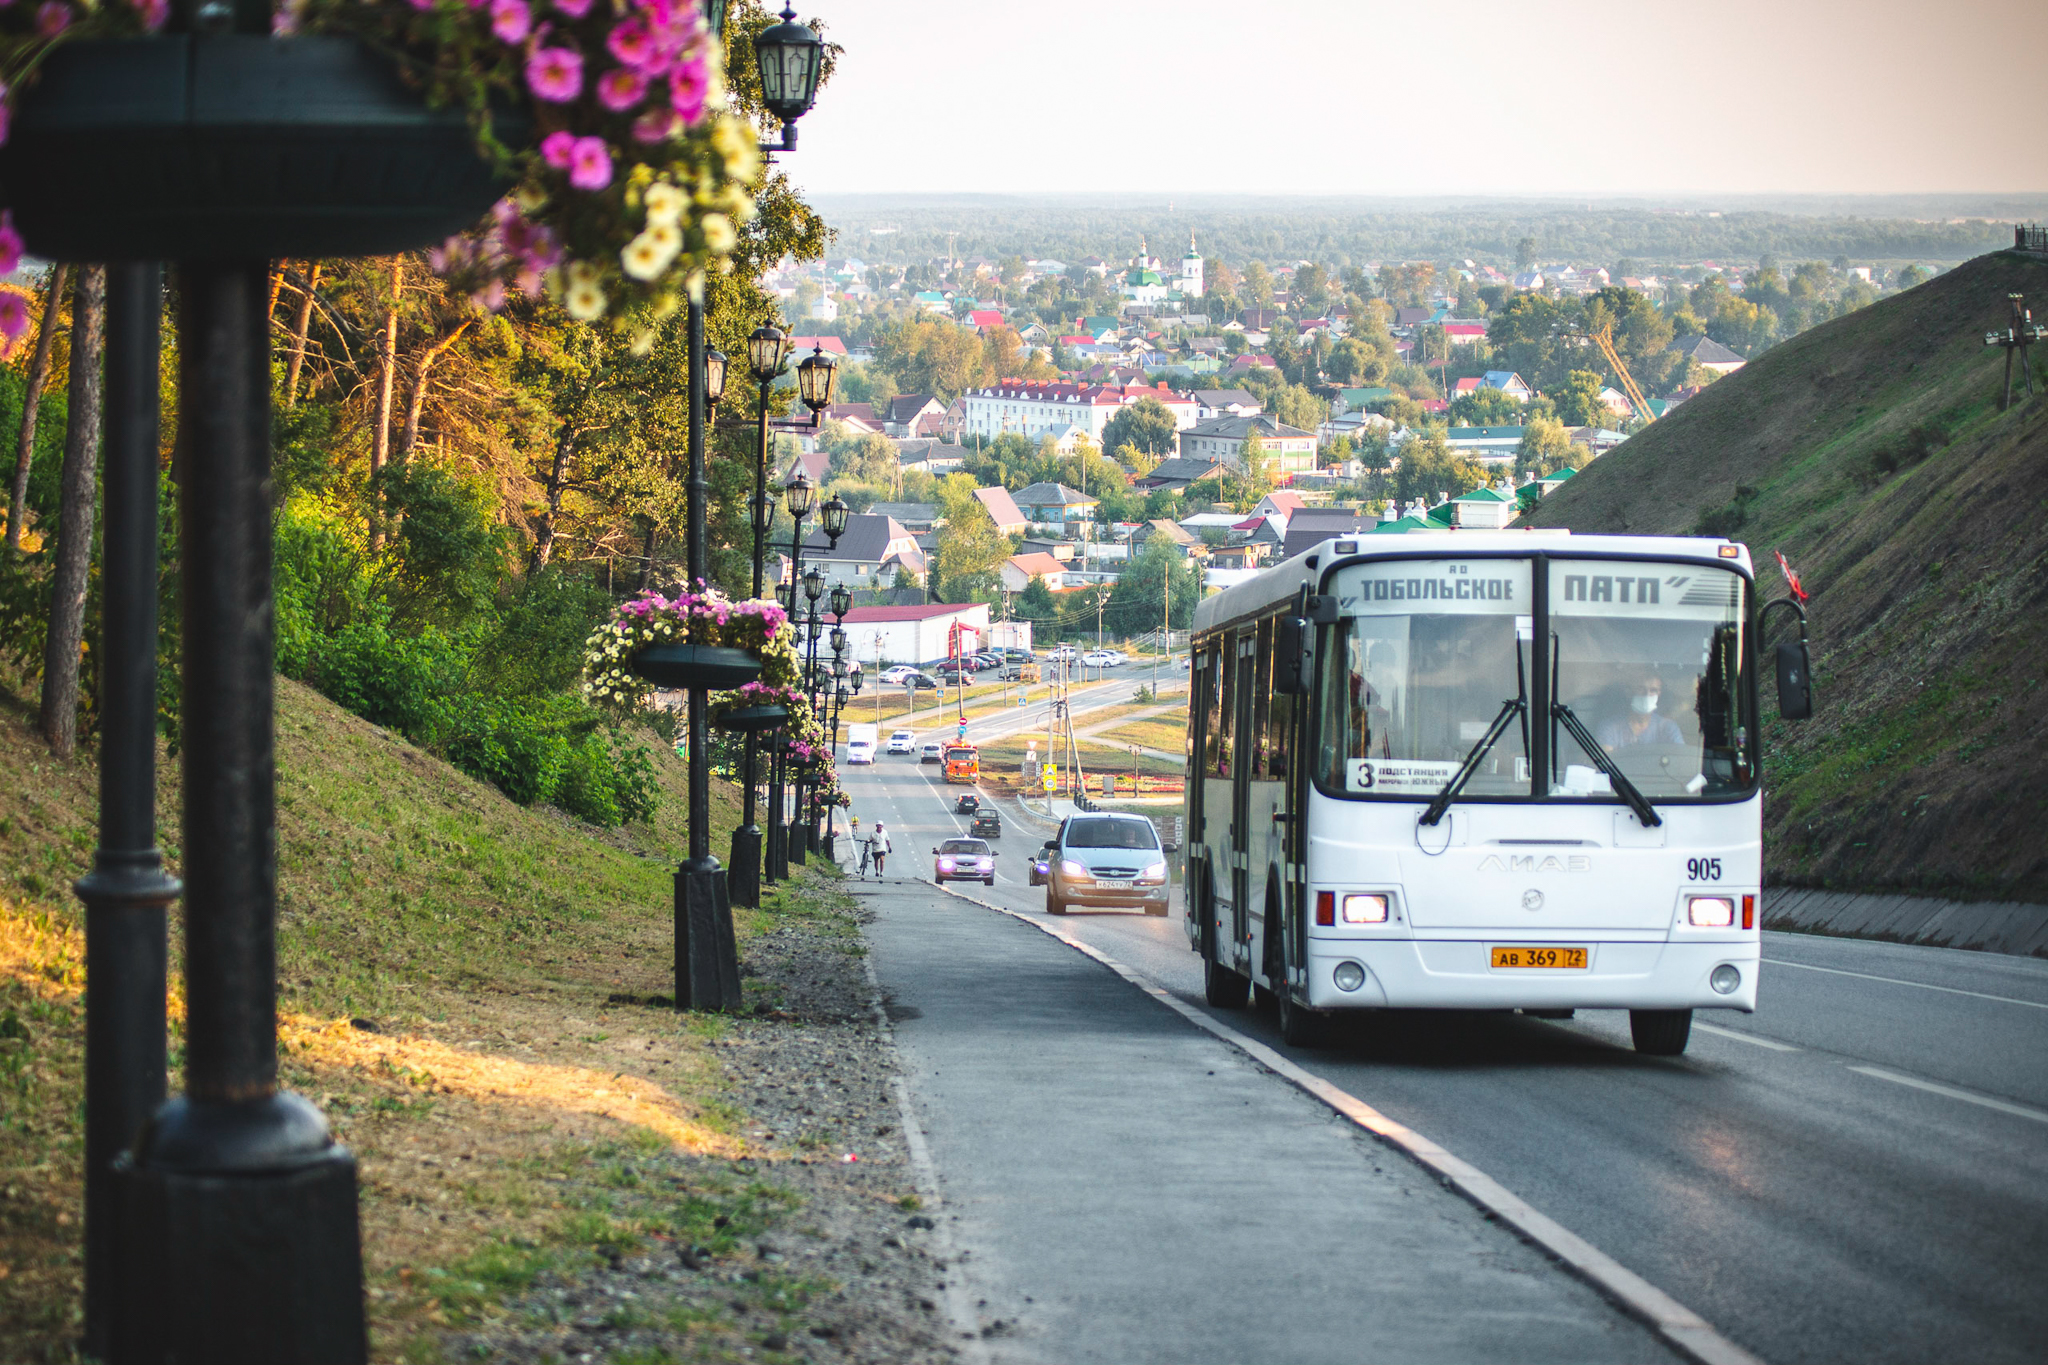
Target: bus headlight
1725, 979
1349, 976
1710, 912
1364, 909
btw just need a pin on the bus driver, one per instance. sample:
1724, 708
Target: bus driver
1641, 724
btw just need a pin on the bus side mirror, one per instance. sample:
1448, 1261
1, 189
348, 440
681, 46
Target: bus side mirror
1795, 681
1292, 664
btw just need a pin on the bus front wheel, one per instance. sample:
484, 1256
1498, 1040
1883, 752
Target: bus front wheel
1660, 1033
1301, 1026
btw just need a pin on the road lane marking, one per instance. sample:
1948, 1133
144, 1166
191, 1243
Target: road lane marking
1720, 1032
2002, 1106
1921, 985
1681, 1328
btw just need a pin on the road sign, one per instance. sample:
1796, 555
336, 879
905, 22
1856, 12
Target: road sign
1052, 777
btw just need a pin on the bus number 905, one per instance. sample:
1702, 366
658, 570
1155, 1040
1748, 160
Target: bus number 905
1703, 869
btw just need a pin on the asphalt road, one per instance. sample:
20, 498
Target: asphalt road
1858, 1171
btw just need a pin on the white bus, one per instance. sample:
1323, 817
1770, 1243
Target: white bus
1483, 770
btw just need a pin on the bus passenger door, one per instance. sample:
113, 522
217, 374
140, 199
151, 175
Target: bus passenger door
1244, 651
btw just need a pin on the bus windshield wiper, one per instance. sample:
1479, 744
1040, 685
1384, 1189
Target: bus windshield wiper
1606, 764
1509, 709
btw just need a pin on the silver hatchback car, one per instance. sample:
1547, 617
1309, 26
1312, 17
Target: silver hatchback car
1107, 859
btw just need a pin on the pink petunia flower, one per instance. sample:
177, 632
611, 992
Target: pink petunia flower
620, 89
632, 44
556, 148
52, 18
689, 85
13, 315
10, 243
155, 13
555, 74
656, 125
511, 21
575, 9
590, 164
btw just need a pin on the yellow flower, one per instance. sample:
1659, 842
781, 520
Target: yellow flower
585, 301
719, 236
664, 203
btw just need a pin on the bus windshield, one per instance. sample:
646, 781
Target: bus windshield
1651, 659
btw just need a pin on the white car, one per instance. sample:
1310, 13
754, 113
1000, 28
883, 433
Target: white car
859, 751
1100, 658
895, 675
1063, 652
902, 742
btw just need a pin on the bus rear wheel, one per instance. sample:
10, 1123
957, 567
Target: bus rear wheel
1660, 1033
1222, 987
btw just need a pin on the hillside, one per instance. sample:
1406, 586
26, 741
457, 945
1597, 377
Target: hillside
1872, 452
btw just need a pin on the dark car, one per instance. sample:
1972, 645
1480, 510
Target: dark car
1041, 863
957, 673
968, 804
987, 826
986, 660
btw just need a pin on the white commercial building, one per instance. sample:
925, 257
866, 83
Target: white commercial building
1031, 410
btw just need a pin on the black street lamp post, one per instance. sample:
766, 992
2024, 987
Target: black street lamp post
799, 497
800, 820
767, 349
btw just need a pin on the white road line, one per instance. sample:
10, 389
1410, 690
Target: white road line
1720, 1032
1682, 1328
2001, 1106
1919, 985
925, 1173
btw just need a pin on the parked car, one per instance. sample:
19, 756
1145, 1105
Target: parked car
933, 752
986, 660
1100, 658
1063, 652
1016, 656
1107, 859
902, 742
987, 825
964, 860
959, 674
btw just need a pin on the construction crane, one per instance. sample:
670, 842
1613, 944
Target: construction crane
1604, 339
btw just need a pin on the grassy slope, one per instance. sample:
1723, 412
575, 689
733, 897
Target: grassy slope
1872, 452
494, 950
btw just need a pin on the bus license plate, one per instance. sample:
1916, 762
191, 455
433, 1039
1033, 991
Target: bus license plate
1539, 957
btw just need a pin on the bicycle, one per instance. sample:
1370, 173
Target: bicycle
864, 850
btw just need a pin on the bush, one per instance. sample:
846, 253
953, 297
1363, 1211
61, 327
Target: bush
402, 682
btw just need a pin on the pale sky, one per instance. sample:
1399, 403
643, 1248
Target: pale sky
1365, 97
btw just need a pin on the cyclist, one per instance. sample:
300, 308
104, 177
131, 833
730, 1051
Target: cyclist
879, 844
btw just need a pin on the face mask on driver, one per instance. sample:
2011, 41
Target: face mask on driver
1643, 703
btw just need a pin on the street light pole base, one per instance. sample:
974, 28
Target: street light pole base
743, 881
239, 1239
707, 957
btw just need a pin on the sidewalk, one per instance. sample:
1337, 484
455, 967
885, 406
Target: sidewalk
1122, 1188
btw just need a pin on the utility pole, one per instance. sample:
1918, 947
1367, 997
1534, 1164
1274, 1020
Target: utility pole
2021, 332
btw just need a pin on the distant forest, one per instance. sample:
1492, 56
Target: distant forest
1343, 232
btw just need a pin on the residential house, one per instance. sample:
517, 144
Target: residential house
799, 347
1409, 318
1313, 525
1003, 510
1213, 403
1597, 440
1181, 471
1708, 354
858, 418
1509, 383
1528, 280
915, 517
932, 301
1464, 333
929, 454
1489, 444
873, 547
1357, 400
1065, 551
814, 464
1290, 450
981, 319
1487, 509
1280, 503
1054, 503
911, 415
1018, 571
1182, 539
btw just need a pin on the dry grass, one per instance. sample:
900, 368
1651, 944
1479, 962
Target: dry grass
502, 1074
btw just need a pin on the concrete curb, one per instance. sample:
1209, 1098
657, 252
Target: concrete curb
1681, 1328
2013, 927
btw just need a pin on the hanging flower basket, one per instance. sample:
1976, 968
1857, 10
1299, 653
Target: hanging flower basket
712, 667
236, 147
698, 639
750, 719
367, 126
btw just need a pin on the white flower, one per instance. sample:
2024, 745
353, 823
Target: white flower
581, 272
664, 203
718, 234
647, 255
585, 301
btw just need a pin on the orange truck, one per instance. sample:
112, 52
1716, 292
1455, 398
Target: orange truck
963, 763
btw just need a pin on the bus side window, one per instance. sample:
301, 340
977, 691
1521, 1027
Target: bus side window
1223, 722
1333, 685
1280, 723
1259, 742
